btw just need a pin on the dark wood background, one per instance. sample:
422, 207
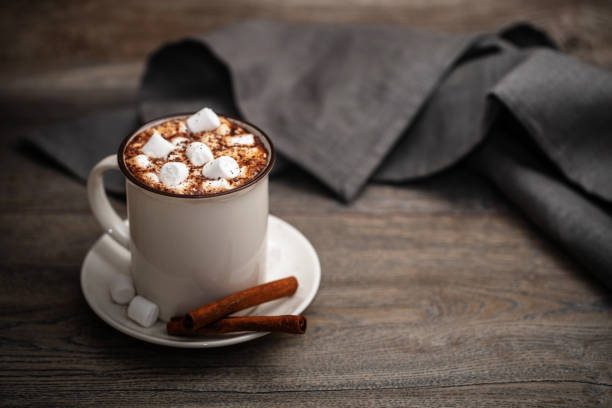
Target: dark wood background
434, 293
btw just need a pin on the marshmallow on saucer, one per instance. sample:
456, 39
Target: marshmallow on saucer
173, 173
203, 120
221, 167
143, 311
157, 147
247, 139
198, 154
122, 288
216, 184
142, 161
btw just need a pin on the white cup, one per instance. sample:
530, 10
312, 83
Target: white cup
188, 250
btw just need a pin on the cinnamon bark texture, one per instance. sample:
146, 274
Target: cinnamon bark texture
238, 301
285, 324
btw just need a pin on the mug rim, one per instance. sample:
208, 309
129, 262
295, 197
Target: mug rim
152, 122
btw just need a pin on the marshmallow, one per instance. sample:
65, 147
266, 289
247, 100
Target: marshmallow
142, 161
157, 147
122, 288
216, 184
178, 140
223, 130
203, 120
173, 173
152, 177
198, 153
247, 139
221, 167
143, 311
182, 127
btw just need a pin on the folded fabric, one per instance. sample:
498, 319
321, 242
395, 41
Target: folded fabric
79, 144
352, 103
582, 226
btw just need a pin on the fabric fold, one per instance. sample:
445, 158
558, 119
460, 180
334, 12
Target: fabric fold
581, 226
455, 119
77, 145
335, 99
566, 107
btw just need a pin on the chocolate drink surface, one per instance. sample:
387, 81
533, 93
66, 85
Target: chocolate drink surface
169, 157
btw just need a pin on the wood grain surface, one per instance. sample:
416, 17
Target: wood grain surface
433, 293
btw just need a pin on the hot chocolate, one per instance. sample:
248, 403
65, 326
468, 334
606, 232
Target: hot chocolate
195, 155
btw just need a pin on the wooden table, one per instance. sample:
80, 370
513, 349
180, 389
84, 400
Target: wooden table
435, 293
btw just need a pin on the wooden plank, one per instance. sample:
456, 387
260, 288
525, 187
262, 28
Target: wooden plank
35, 37
424, 301
542, 394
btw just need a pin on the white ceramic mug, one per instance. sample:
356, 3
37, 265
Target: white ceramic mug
188, 250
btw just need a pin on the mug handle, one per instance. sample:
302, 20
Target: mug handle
101, 207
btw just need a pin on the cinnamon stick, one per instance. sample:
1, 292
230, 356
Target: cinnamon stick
286, 324
238, 301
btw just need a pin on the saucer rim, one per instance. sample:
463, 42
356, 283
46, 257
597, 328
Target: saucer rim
199, 343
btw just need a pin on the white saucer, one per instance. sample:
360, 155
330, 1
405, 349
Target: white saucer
289, 253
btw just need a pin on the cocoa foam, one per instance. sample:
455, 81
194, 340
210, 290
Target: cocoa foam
227, 139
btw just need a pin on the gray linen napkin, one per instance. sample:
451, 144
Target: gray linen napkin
353, 103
